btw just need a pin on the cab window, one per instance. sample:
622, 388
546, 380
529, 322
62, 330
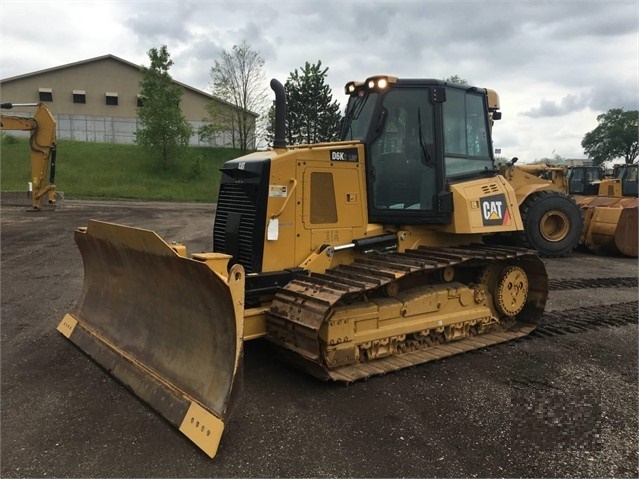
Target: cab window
403, 174
466, 141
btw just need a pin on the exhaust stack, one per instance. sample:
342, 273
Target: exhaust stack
279, 140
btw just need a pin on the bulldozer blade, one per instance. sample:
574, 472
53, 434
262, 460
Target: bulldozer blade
167, 327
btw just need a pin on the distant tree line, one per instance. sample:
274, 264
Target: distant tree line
313, 116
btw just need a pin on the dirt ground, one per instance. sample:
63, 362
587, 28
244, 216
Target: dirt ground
559, 403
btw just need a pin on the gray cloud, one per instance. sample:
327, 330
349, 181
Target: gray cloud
614, 95
599, 99
160, 22
567, 105
546, 58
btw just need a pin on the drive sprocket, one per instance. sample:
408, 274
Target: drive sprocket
511, 290
508, 284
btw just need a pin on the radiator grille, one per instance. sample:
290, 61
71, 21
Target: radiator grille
238, 200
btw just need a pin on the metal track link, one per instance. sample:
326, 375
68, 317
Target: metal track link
300, 308
392, 363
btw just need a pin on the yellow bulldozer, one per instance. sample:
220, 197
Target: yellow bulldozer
354, 258
42, 141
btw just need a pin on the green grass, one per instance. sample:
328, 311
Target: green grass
113, 171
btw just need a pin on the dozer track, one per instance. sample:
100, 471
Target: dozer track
386, 312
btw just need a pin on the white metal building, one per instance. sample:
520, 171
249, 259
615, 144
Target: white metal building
97, 99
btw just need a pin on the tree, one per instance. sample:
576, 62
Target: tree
616, 136
163, 130
238, 80
313, 115
456, 79
270, 124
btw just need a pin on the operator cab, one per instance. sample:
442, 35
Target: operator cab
420, 136
584, 180
628, 176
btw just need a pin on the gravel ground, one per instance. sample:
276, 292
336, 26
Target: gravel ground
558, 404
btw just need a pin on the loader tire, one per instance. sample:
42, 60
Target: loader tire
552, 223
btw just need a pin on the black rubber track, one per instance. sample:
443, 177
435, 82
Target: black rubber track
617, 282
554, 323
579, 320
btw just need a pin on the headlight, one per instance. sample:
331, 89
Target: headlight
380, 82
353, 87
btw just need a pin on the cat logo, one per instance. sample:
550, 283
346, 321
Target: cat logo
494, 211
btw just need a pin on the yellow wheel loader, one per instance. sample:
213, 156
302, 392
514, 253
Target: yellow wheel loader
42, 141
553, 221
610, 208
354, 258
565, 207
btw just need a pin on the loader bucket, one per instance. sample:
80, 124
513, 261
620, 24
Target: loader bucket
626, 237
612, 230
168, 327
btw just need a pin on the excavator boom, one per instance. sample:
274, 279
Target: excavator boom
42, 142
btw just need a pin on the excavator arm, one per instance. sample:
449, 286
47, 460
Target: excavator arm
42, 142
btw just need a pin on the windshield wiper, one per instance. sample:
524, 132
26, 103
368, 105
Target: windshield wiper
353, 114
425, 153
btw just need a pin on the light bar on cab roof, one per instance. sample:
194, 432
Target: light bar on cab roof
377, 82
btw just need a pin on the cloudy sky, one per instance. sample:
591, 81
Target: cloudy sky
556, 64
